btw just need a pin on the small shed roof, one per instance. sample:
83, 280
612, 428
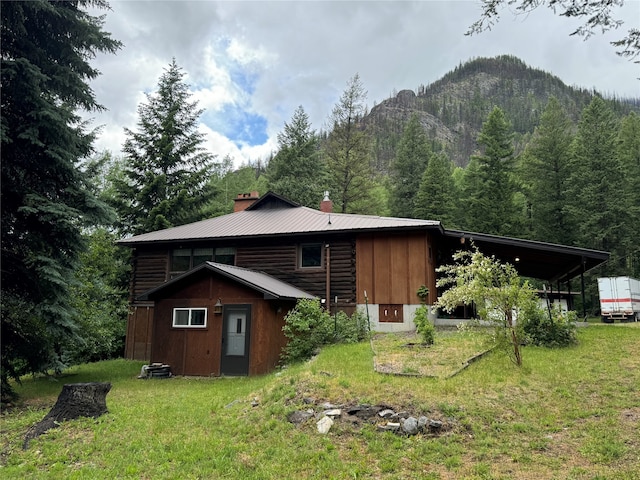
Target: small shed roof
270, 287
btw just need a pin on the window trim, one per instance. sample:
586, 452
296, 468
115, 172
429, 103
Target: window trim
190, 310
311, 267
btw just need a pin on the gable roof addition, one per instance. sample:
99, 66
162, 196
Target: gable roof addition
270, 287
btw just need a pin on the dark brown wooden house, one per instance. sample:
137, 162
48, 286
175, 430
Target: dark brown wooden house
197, 334
376, 264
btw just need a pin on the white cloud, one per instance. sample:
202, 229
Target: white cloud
250, 64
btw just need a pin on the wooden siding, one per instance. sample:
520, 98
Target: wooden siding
139, 329
197, 351
150, 269
280, 261
391, 268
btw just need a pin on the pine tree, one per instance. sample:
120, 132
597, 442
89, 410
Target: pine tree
46, 198
412, 156
166, 165
595, 197
546, 171
628, 149
436, 194
297, 171
348, 151
490, 202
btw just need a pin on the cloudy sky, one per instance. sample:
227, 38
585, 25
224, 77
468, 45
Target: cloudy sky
250, 64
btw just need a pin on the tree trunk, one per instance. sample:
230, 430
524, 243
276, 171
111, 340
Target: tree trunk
75, 400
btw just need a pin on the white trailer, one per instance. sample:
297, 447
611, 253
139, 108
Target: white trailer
619, 299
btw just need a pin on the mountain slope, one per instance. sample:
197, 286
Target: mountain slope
453, 108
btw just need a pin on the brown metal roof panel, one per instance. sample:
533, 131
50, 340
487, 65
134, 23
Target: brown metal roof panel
275, 222
270, 286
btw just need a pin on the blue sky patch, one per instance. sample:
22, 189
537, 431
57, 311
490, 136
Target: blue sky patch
238, 125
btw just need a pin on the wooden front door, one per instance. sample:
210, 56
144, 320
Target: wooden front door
236, 330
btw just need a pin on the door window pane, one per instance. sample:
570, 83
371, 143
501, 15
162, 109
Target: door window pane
236, 330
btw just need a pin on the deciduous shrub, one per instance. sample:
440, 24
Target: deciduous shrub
309, 326
424, 327
548, 329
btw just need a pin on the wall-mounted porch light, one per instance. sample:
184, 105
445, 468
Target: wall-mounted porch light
217, 308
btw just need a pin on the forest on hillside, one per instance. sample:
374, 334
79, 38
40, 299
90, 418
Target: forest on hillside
493, 147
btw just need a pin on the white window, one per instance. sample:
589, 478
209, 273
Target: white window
190, 317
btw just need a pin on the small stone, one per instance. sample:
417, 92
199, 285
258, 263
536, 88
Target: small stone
410, 426
334, 412
328, 406
422, 422
309, 400
386, 413
389, 427
324, 425
300, 416
435, 425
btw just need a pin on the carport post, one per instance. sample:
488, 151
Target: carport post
584, 305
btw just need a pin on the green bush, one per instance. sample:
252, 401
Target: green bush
541, 328
309, 326
424, 327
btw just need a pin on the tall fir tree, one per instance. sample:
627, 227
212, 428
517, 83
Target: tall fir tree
348, 152
408, 167
437, 194
545, 169
628, 149
298, 171
46, 198
596, 200
167, 168
490, 199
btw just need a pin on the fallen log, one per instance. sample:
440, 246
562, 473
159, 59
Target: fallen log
75, 400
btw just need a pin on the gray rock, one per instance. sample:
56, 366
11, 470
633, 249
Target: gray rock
435, 425
324, 425
386, 413
334, 412
422, 423
410, 426
389, 427
300, 416
328, 406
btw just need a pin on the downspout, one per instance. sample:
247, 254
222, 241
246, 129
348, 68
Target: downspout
327, 259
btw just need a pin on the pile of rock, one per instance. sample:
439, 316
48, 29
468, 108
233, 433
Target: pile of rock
384, 417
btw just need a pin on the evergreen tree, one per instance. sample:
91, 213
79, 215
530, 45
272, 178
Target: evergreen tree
167, 167
436, 194
546, 170
348, 151
629, 154
596, 200
46, 198
297, 171
412, 156
490, 197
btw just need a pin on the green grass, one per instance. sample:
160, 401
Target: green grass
568, 413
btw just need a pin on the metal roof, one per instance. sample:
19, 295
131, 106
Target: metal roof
545, 261
274, 222
270, 287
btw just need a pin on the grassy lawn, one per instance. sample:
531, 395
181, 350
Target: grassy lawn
566, 414
404, 354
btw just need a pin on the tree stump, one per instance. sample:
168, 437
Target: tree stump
75, 400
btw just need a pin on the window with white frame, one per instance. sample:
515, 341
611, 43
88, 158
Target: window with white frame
190, 317
310, 255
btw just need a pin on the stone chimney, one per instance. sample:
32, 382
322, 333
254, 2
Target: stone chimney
326, 205
244, 201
